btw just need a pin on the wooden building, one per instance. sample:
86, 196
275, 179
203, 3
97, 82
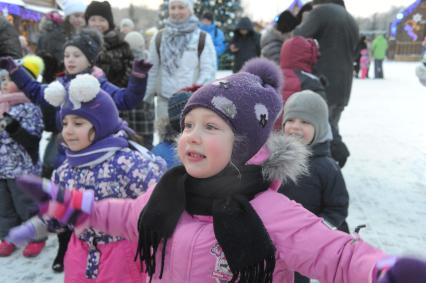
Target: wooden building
407, 33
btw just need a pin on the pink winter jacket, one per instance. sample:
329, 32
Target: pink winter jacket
302, 241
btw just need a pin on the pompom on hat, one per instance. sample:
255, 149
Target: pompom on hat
86, 99
33, 64
249, 101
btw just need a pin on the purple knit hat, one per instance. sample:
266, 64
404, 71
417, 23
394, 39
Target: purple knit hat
86, 99
248, 101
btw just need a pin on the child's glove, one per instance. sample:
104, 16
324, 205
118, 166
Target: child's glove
68, 206
8, 123
8, 64
405, 270
140, 68
32, 229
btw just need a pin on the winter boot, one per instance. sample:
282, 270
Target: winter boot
6, 248
33, 249
63, 239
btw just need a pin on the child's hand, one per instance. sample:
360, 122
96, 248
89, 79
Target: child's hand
405, 270
27, 231
68, 206
8, 64
140, 68
97, 72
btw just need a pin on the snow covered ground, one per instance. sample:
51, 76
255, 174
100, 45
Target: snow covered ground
384, 128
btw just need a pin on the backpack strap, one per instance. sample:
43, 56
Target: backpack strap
158, 38
201, 43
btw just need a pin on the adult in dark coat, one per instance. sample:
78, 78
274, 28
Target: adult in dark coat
245, 44
337, 33
9, 40
272, 40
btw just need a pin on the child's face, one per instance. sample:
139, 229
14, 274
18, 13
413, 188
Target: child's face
8, 86
99, 23
179, 12
300, 128
74, 60
77, 132
77, 20
205, 146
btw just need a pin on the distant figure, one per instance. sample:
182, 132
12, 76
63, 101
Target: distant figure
207, 24
364, 63
421, 71
379, 48
245, 44
337, 34
126, 26
274, 37
362, 44
9, 39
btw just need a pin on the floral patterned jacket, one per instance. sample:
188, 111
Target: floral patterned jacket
14, 159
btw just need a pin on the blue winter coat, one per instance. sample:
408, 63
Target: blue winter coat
217, 37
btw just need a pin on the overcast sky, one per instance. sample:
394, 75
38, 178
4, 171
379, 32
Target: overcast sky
267, 9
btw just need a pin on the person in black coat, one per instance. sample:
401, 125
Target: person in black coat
245, 44
323, 190
9, 40
337, 34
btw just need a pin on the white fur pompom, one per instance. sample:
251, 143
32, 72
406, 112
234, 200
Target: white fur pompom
84, 88
55, 94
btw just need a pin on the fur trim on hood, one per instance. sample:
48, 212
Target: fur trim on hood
166, 131
288, 158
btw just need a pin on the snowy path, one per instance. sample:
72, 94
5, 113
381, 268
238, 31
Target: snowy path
384, 127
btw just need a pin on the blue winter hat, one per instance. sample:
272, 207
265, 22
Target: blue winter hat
249, 101
86, 99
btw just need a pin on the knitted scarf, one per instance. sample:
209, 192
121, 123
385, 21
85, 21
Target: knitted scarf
238, 229
176, 37
10, 99
98, 151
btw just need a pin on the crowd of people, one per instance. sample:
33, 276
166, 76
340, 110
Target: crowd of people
245, 183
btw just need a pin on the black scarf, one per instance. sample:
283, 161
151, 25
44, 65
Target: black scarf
238, 229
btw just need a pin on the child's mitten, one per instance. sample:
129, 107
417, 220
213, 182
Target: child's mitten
140, 68
68, 206
403, 270
8, 64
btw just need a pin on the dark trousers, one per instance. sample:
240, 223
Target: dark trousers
334, 115
15, 206
378, 69
299, 278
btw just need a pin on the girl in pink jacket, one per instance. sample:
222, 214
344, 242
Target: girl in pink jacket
218, 217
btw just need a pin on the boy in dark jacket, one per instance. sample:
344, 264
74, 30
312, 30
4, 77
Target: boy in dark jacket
323, 190
245, 44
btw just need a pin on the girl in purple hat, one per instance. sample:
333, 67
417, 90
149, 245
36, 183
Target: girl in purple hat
219, 217
102, 161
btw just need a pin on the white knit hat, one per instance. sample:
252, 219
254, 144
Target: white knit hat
189, 3
73, 6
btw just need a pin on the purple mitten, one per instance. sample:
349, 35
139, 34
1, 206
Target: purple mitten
33, 229
140, 68
8, 64
405, 270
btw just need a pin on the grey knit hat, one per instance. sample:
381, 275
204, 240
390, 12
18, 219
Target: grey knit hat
89, 41
312, 108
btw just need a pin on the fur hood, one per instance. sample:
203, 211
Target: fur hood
286, 158
165, 130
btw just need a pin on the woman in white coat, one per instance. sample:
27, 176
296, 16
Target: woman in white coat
177, 59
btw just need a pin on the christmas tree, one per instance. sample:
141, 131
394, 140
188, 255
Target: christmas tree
226, 15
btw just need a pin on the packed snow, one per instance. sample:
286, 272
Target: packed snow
384, 128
